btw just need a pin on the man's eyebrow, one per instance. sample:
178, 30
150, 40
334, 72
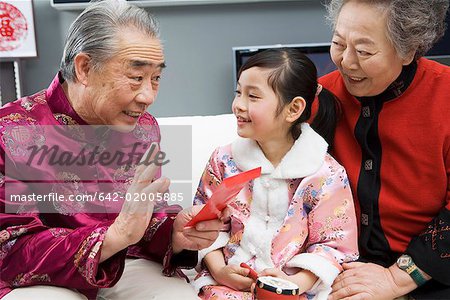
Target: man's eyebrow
136, 63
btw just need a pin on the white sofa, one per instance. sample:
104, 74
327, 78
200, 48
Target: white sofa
208, 132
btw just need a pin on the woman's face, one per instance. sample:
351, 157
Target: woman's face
361, 50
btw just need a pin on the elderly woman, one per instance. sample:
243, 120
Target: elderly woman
109, 75
394, 141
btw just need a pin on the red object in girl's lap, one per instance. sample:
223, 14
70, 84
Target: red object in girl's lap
252, 274
273, 288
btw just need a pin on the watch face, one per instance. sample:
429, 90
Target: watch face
404, 261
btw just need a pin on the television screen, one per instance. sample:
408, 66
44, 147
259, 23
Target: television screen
318, 53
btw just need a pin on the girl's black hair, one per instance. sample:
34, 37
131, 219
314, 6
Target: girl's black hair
294, 74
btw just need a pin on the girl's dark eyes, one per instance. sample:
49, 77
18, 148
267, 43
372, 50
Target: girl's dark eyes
251, 96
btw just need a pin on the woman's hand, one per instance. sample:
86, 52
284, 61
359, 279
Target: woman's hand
371, 281
234, 277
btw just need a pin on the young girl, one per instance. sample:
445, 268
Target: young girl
297, 220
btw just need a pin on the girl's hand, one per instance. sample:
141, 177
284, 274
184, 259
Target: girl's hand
304, 279
275, 273
234, 277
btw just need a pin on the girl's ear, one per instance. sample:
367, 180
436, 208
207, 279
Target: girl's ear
295, 109
82, 67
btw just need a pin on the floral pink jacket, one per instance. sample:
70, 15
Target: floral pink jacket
297, 215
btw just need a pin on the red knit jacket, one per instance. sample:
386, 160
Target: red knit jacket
396, 149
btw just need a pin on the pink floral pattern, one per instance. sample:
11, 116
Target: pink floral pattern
86, 259
320, 218
24, 279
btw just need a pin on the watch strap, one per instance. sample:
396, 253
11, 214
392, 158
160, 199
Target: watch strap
415, 274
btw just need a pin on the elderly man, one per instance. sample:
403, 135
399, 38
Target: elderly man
109, 75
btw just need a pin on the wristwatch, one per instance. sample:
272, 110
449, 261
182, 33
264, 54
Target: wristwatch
406, 263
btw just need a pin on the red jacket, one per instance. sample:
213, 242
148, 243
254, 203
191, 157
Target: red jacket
396, 149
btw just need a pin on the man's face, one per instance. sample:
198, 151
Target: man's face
127, 84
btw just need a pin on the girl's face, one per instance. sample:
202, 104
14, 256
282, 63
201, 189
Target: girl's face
255, 107
361, 50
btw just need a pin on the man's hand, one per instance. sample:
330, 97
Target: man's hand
130, 225
234, 277
371, 281
199, 237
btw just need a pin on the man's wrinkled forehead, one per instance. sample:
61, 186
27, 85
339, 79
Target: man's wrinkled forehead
140, 49
142, 55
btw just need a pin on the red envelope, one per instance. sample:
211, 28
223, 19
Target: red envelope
223, 195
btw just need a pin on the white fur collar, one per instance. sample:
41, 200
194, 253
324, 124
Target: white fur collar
304, 158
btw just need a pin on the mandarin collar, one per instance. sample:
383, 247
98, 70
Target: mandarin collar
58, 102
304, 158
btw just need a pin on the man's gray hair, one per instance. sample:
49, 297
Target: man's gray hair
94, 32
412, 25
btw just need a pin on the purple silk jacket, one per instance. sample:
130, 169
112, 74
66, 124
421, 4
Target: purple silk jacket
61, 246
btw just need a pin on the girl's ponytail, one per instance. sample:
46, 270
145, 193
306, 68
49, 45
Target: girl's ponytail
327, 116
